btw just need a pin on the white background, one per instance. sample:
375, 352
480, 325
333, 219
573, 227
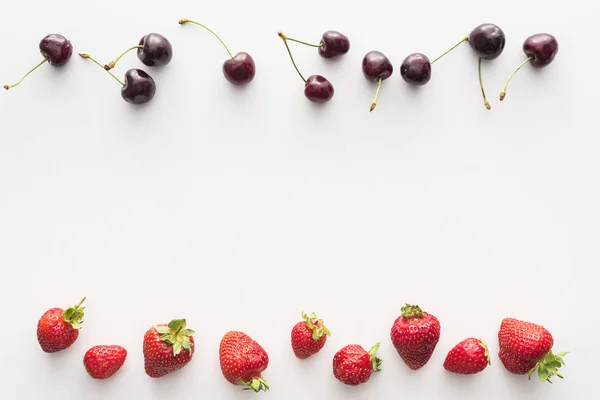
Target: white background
239, 209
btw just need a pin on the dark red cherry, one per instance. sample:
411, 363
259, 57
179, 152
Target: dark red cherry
487, 40
376, 65
139, 87
318, 89
416, 69
240, 69
156, 50
542, 47
333, 44
56, 49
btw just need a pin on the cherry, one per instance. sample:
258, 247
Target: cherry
333, 44
316, 88
376, 67
540, 50
239, 69
56, 50
138, 88
154, 50
416, 69
487, 40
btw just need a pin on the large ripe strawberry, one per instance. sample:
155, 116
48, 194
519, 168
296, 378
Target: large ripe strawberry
468, 357
243, 361
526, 347
102, 362
167, 348
309, 336
415, 335
58, 329
353, 365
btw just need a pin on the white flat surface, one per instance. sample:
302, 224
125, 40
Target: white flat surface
239, 209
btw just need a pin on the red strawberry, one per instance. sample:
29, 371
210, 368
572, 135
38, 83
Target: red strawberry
102, 362
243, 360
167, 348
309, 336
58, 329
415, 335
525, 347
468, 357
353, 365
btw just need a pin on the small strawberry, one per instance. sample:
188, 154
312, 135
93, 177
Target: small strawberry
468, 357
525, 347
58, 329
415, 335
353, 365
102, 362
309, 336
167, 348
242, 361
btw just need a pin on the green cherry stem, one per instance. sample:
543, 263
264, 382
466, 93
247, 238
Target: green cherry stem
374, 103
503, 92
185, 20
285, 38
304, 43
485, 102
25, 76
83, 55
452, 48
112, 64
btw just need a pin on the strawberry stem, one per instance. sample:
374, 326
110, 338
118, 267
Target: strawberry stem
316, 325
411, 311
548, 366
74, 315
177, 335
375, 361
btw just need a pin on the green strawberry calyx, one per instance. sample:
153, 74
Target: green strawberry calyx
548, 366
411, 311
316, 325
177, 335
375, 361
74, 315
486, 351
257, 384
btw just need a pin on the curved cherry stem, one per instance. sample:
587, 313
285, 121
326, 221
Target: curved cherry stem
185, 20
374, 103
503, 92
112, 64
284, 38
485, 102
452, 48
25, 76
305, 43
89, 57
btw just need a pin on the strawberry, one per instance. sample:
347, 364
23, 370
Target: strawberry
58, 329
102, 362
167, 348
243, 360
309, 336
526, 347
415, 335
353, 365
468, 357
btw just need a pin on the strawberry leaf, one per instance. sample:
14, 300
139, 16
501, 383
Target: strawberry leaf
316, 325
74, 315
548, 367
257, 384
411, 311
375, 361
176, 335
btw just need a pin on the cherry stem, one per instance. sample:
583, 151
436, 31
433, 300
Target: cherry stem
503, 93
112, 64
284, 38
374, 103
304, 43
25, 76
485, 102
185, 20
452, 48
83, 55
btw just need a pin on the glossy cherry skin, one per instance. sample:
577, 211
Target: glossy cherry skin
318, 89
139, 87
376, 65
416, 69
240, 69
334, 44
488, 41
56, 49
156, 51
542, 47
